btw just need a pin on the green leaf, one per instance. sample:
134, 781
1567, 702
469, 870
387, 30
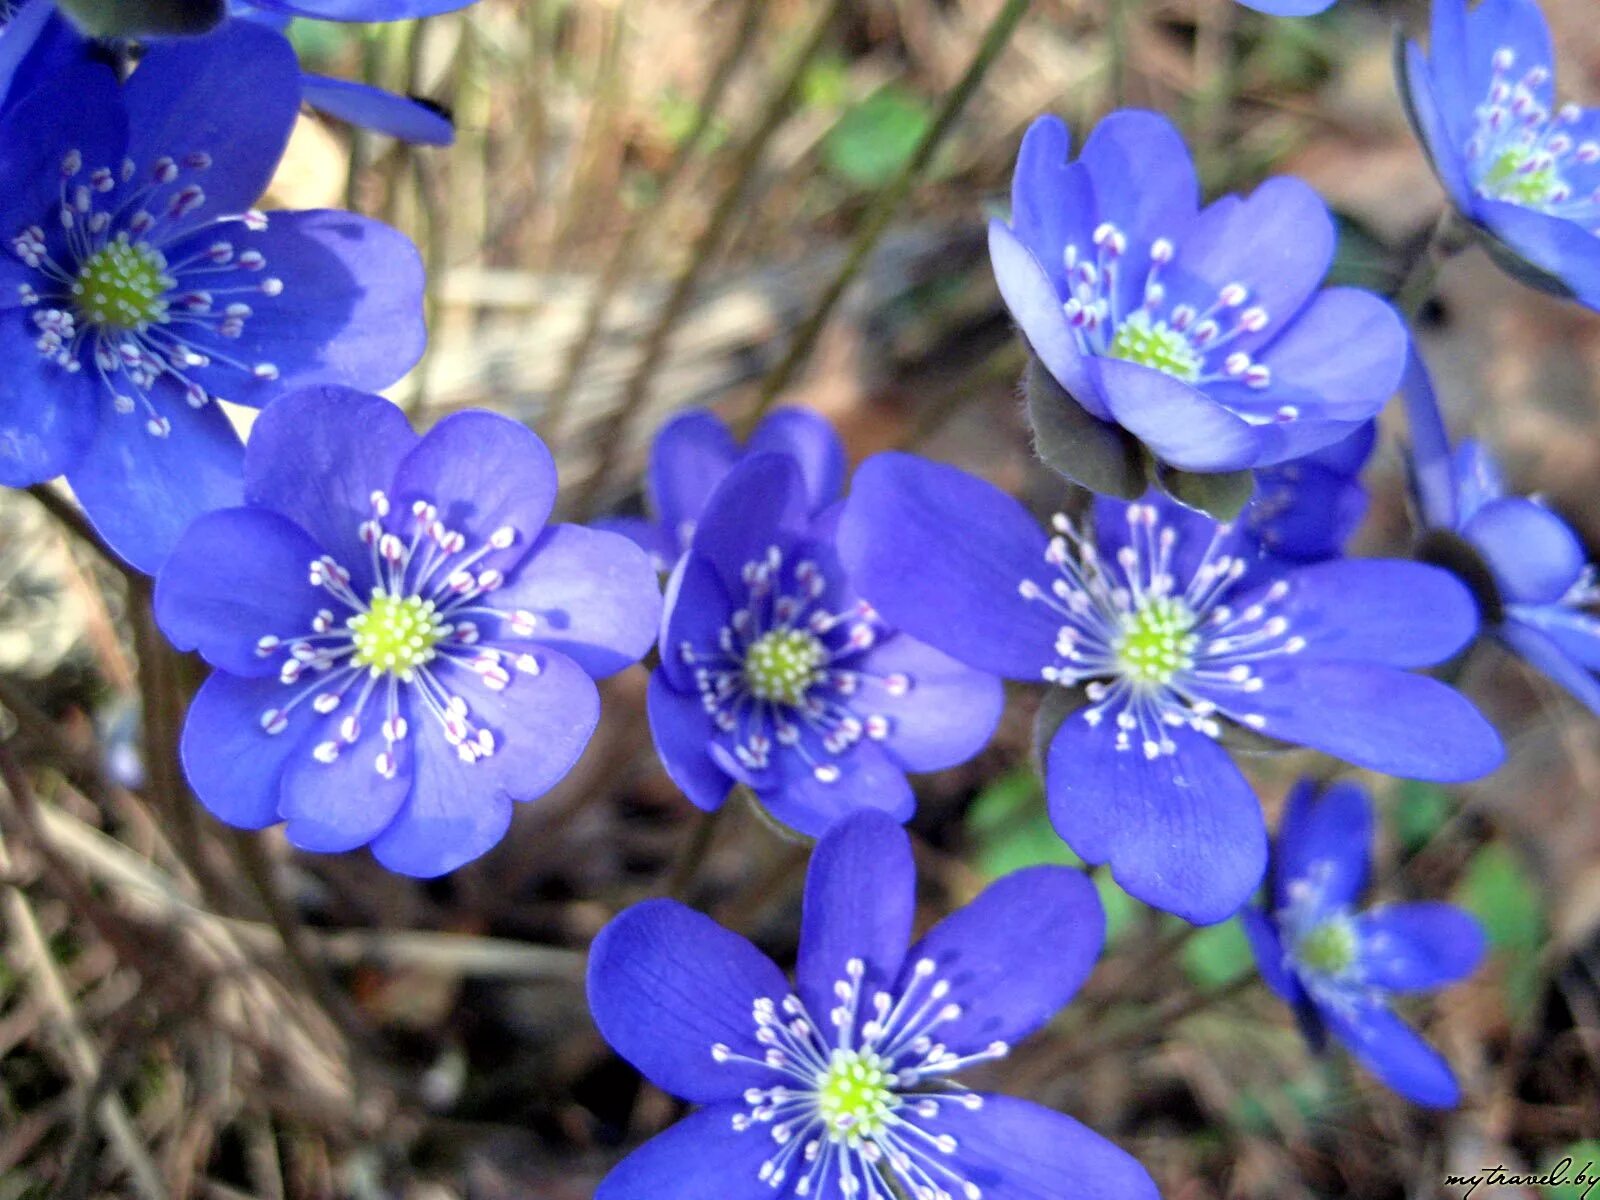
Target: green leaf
1217, 955
1419, 810
1499, 891
826, 82
876, 138
1010, 829
1122, 910
1575, 1171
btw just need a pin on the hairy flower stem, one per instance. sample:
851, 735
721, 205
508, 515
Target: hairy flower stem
1416, 286
884, 207
680, 879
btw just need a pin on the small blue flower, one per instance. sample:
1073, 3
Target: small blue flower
1538, 594
775, 675
1168, 638
1306, 510
694, 452
1201, 332
1339, 968
402, 645
1523, 171
835, 1086
138, 287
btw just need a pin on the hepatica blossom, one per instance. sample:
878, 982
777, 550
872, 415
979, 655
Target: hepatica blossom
842, 1083
1305, 510
774, 674
403, 646
1520, 168
694, 452
1338, 968
1168, 640
1200, 332
1539, 596
138, 287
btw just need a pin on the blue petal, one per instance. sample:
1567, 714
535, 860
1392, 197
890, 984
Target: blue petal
1289, 8
695, 609
666, 984
1182, 831
948, 714
1014, 956
1182, 425
1392, 1051
1422, 91
1432, 470
1013, 1149
691, 455
317, 455
350, 311
1477, 480
1535, 556
1304, 512
373, 108
1404, 614
702, 1157
940, 554
1575, 632
232, 94
1448, 59
337, 806
368, 10
807, 438
1144, 180
682, 731
1052, 199
867, 778
236, 576
48, 416
650, 536
35, 43
1326, 841
1410, 947
760, 500
1546, 657
861, 896
1035, 305
1369, 715
233, 765
459, 810
1268, 951
1517, 25
1558, 247
140, 492
595, 594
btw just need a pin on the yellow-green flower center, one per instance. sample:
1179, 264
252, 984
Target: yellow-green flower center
1328, 948
122, 286
1507, 179
396, 635
783, 665
1156, 344
1156, 641
853, 1095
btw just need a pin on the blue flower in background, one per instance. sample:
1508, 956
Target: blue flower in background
836, 1085
1288, 8
694, 452
1339, 968
1306, 510
775, 675
1159, 623
1204, 333
1523, 171
138, 287
1537, 591
403, 646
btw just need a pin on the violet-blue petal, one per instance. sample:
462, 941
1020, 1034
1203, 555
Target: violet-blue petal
1267, 949
690, 456
1035, 305
1432, 469
1575, 631
810, 440
333, 807
1566, 250
1324, 837
1014, 956
1289, 8
1144, 179
1477, 479
233, 765
1412, 947
694, 610
1052, 198
368, 10
649, 536
940, 554
860, 898
763, 494
948, 714
1182, 425
1516, 25
1394, 1052
702, 1157
666, 984
212, 599
1421, 90
48, 417
868, 778
317, 455
1182, 831
375, 109
1372, 716
1545, 656
1448, 56
1533, 553
1016, 1150
594, 595
682, 731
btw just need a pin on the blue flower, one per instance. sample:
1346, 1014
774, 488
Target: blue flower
1288, 8
836, 1085
137, 287
694, 452
775, 675
1201, 332
1168, 640
1538, 595
402, 645
1339, 968
1520, 169
1305, 510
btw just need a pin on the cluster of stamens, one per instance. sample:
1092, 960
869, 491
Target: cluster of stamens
855, 1090
1145, 649
419, 629
785, 667
1192, 343
138, 286
1321, 943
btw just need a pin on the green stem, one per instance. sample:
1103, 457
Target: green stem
1417, 284
682, 875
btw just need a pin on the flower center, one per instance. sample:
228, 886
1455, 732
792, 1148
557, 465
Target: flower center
123, 286
1156, 641
1156, 344
1328, 948
396, 635
1522, 178
854, 1094
782, 665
